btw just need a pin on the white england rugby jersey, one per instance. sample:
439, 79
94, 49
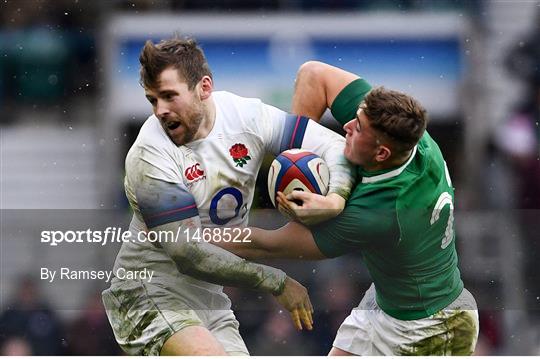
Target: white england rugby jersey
213, 179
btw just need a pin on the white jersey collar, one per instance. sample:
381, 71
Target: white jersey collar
392, 173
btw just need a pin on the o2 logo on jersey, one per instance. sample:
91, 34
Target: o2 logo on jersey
194, 173
230, 202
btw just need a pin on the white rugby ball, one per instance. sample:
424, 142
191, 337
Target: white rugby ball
298, 170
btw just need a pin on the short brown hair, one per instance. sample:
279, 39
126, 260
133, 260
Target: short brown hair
183, 54
399, 116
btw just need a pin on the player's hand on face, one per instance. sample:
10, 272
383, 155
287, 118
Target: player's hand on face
295, 299
310, 208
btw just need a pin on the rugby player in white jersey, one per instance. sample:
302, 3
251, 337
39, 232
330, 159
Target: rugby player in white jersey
192, 166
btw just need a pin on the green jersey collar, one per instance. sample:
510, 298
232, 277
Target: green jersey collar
370, 177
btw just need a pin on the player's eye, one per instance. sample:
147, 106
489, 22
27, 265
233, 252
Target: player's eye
152, 101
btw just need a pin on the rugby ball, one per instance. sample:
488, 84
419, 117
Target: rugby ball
297, 170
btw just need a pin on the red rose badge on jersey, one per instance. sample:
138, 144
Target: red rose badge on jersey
239, 153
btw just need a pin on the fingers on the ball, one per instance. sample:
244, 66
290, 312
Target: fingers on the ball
301, 195
286, 207
282, 200
286, 211
293, 206
282, 206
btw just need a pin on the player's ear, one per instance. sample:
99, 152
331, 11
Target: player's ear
383, 153
206, 86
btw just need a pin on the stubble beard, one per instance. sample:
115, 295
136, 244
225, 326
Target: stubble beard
190, 126
191, 131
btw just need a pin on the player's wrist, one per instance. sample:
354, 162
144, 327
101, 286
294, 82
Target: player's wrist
340, 191
336, 201
273, 280
281, 286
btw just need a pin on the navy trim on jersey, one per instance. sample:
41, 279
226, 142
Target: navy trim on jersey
165, 203
293, 132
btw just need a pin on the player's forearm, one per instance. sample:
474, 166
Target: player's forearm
213, 264
292, 241
257, 246
207, 262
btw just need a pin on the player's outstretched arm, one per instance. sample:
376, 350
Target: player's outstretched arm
170, 211
292, 241
207, 262
316, 87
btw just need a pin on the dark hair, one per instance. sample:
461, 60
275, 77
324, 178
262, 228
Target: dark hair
183, 54
399, 116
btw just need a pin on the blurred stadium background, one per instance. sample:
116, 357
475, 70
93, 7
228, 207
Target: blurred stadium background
71, 105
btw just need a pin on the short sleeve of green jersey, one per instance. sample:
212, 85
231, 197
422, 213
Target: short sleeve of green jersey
354, 228
347, 101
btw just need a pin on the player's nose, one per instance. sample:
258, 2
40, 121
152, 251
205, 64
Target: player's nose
162, 110
348, 126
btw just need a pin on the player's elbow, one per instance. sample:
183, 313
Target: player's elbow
310, 72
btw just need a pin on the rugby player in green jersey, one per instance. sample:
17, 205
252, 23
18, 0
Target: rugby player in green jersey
399, 217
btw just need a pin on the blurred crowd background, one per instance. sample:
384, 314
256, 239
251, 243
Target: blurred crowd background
64, 136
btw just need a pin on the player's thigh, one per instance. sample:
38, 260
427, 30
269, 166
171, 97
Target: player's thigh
355, 335
193, 340
144, 317
445, 333
457, 328
226, 329
338, 352
451, 331
463, 322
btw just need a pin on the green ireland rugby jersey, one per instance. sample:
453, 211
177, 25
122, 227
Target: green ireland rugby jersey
401, 220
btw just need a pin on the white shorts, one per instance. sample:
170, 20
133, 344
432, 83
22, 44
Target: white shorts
143, 316
370, 331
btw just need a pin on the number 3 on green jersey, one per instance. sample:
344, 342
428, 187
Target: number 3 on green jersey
445, 199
